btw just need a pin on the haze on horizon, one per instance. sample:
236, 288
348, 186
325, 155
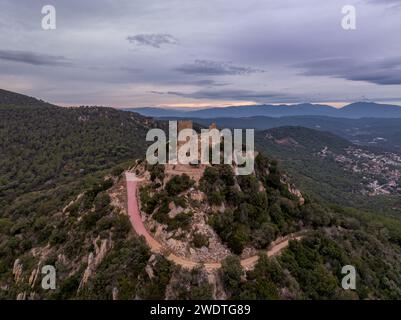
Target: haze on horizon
202, 53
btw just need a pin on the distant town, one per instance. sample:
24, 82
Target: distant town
381, 173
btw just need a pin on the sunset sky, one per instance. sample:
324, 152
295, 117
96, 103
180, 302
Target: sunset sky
134, 53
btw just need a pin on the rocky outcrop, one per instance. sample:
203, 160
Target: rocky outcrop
34, 275
196, 195
94, 259
115, 293
217, 285
221, 208
21, 296
17, 270
88, 271
178, 242
174, 210
118, 196
296, 193
68, 206
150, 265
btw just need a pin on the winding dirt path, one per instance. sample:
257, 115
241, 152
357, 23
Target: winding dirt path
156, 247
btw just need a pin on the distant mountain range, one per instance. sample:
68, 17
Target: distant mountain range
353, 111
384, 133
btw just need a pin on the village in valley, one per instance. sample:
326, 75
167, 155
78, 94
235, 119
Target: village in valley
380, 172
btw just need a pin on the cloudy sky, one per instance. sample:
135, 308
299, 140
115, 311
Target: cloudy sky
134, 53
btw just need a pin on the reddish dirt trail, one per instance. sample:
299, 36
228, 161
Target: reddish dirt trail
135, 216
156, 247
274, 250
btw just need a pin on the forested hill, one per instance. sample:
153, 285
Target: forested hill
8, 98
42, 145
310, 140
50, 156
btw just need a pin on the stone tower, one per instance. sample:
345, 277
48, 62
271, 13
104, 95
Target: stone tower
181, 125
184, 124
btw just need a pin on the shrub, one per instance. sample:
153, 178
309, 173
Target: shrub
200, 240
180, 202
101, 201
58, 237
231, 274
5, 225
239, 238
161, 214
178, 184
263, 236
215, 198
156, 172
148, 202
117, 171
181, 220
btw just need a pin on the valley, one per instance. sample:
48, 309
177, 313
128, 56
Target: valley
335, 170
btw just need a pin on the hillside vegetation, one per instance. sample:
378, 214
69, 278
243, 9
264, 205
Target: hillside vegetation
54, 205
44, 146
252, 211
297, 148
61, 175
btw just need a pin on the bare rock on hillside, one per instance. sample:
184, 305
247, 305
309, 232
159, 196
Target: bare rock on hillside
17, 270
174, 210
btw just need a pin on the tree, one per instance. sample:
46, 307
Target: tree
239, 238
232, 272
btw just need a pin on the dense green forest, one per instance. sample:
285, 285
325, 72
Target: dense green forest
44, 146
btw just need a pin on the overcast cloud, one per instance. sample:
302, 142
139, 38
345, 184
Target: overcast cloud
131, 53
153, 40
33, 58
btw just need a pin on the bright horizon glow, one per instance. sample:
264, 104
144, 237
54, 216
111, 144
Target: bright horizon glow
195, 106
